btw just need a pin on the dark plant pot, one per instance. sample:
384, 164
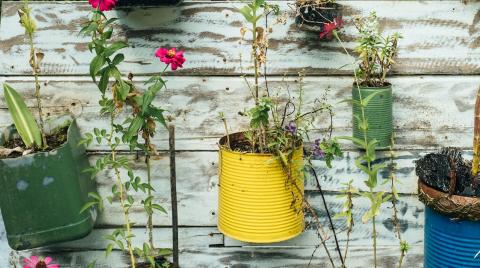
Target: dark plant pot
378, 113
313, 18
451, 240
43, 193
148, 2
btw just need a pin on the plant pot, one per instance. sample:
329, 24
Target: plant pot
452, 229
378, 113
257, 203
43, 193
313, 17
148, 2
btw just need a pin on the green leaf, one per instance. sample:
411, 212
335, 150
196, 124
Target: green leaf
134, 127
109, 249
365, 101
157, 113
95, 66
22, 117
259, 3
247, 13
87, 206
158, 207
92, 264
102, 85
118, 59
356, 141
123, 90
114, 48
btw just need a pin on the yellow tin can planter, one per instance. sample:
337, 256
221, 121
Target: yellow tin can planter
257, 202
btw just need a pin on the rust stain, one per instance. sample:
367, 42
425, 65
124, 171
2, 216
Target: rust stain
8, 44
211, 35
40, 18
60, 50
189, 12
10, 9
473, 28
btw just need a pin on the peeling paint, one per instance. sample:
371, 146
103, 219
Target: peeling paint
22, 185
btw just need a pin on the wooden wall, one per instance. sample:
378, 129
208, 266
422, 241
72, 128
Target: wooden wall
435, 82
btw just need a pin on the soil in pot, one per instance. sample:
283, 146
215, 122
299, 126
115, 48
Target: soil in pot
437, 169
315, 15
160, 261
54, 140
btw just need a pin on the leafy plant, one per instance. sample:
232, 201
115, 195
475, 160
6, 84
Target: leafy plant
31, 133
22, 117
376, 53
278, 125
366, 161
134, 132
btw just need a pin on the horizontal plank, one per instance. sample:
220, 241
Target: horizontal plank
429, 111
198, 189
440, 37
197, 185
359, 257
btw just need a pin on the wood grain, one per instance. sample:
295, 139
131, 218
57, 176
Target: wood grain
440, 37
429, 111
359, 257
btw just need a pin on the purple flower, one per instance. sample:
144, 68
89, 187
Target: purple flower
316, 150
291, 128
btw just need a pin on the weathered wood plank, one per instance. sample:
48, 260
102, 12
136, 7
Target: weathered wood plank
429, 111
359, 257
198, 187
439, 37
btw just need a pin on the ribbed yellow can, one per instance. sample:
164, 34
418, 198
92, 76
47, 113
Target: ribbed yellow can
257, 203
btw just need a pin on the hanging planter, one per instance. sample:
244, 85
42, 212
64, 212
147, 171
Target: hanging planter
256, 202
448, 186
313, 15
452, 213
149, 2
44, 192
378, 113
371, 90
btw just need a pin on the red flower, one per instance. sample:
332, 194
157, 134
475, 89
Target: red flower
105, 5
37, 262
329, 28
171, 56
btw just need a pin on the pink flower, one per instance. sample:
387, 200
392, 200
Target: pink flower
171, 56
105, 5
329, 28
39, 262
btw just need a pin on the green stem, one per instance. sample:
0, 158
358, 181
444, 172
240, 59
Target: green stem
365, 138
374, 242
149, 193
113, 154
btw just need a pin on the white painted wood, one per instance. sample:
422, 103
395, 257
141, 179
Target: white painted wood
359, 257
439, 37
429, 111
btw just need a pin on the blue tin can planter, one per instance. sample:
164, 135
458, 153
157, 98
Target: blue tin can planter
450, 241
